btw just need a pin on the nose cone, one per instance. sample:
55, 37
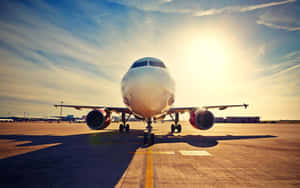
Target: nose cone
148, 91
148, 101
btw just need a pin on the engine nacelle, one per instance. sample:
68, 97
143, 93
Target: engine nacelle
98, 119
202, 119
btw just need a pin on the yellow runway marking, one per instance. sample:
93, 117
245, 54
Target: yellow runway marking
149, 170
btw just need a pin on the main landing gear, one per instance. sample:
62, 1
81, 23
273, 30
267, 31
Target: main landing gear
124, 127
176, 126
149, 137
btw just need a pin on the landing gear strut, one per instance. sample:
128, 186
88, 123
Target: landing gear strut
124, 127
149, 137
176, 126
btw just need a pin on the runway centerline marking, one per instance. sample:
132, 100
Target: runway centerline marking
149, 169
194, 153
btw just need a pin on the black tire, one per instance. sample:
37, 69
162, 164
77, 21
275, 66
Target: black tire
121, 128
127, 128
152, 139
145, 138
179, 128
172, 128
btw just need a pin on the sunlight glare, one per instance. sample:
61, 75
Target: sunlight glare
206, 58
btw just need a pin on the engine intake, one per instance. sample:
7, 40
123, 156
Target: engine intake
202, 119
97, 119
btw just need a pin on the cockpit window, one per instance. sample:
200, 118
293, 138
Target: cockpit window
153, 62
157, 64
139, 64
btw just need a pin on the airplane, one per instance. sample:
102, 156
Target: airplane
148, 91
69, 118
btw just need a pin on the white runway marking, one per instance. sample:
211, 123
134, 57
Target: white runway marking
155, 152
194, 153
165, 152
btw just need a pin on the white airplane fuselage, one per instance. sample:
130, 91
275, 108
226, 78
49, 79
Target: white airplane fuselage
148, 89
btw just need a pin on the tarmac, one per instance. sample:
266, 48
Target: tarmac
39, 154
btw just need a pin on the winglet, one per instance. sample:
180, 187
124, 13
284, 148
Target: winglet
246, 106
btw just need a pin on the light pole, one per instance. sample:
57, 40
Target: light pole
61, 102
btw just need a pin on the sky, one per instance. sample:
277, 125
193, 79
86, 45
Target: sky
218, 52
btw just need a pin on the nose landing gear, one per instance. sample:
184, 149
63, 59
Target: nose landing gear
149, 138
176, 126
124, 127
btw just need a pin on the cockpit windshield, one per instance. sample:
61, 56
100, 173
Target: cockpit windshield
139, 64
148, 61
157, 64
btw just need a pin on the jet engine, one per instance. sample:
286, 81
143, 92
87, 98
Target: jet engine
202, 119
98, 119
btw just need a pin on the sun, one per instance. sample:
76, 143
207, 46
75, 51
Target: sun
206, 57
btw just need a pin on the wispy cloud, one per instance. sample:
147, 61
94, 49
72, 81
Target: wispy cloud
288, 66
274, 26
281, 17
259, 6
285, 71
295, 54
195, 7
233, 9
284, 75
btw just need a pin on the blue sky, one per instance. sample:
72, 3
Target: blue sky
218, 53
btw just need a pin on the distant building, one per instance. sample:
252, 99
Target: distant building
115, 118
232, 119
6, 120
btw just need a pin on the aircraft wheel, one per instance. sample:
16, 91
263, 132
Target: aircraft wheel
121, 128
179, 128
127, 128
172, 128
145, 138
152, 139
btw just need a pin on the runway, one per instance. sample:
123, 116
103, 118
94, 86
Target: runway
35, 154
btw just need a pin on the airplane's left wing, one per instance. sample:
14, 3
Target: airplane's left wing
223, 107
112, 109
189, 109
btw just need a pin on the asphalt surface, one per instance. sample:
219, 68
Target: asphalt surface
228, 155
